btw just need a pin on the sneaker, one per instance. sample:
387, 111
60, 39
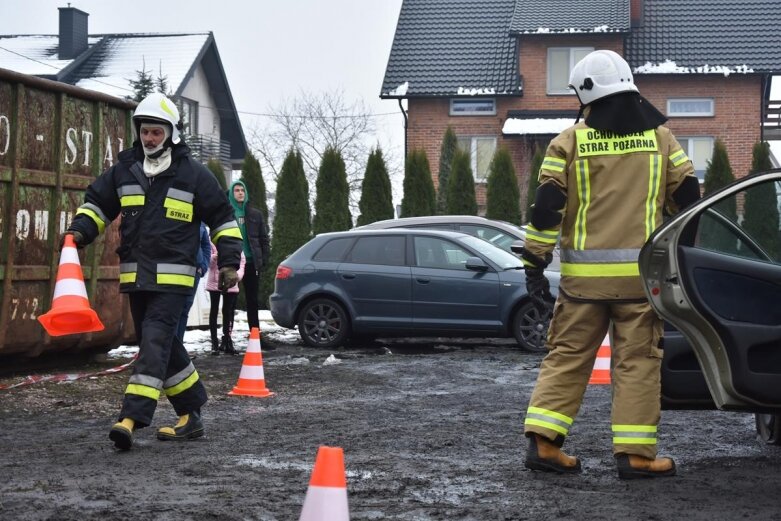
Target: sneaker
189, 427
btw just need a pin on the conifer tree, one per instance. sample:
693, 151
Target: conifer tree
447, 150
503, 198
376, 202
332, 210
143, 85
534, 180
216, 168
461, 198
252, 177
760, 217
717, 175
419, 198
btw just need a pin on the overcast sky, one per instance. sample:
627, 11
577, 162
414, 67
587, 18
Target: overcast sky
270, 49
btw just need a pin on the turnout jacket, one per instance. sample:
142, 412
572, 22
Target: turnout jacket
161, 216
616, 189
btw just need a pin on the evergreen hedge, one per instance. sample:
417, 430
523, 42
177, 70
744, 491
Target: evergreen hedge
332, 210
376, 202
446, 153
534, 180
717, 175
216, 168
760, 217
502, 193
419, 198
461, 198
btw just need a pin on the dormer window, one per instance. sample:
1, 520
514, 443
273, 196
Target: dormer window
561, 60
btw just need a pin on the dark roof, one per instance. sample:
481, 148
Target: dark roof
718, 33
447, 47
570, 16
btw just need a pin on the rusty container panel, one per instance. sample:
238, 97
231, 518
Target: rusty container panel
54, 140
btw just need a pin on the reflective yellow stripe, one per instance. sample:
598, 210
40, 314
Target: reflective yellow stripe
545, 236
592, 142
551, 426
678, 158
624, 269
584, 198
634, 441
94, 216
143, 390
654, 180
548, 419
183, 385
634, 434
228, 232
634, 428
176, 279
132, 200
127, 278
553, 163
553, 414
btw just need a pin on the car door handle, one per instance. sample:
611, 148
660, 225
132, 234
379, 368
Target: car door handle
348, 276
423, 281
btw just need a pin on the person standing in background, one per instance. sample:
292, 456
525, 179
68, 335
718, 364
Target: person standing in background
201, 267
256, 246
228, 306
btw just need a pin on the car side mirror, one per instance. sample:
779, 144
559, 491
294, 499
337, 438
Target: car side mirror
517, 247
476, 264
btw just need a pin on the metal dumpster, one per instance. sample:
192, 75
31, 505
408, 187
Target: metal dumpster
54, 140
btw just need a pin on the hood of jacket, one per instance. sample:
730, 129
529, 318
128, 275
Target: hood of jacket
240, 208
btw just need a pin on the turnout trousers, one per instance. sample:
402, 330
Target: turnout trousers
576, 332
163, 364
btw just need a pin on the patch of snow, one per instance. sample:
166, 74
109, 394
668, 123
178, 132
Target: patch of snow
401, 90
481, 91
536, 125
33, 54
331, 360
670, 67
601, 29
540, 30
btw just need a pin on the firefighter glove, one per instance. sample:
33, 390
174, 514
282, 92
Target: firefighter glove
538, 288
78, 238
229, 277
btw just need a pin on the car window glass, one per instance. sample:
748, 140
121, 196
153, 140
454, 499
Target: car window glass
745, 225
433, 252
387, 250
333, 250
497, 255
434, 226
494, 236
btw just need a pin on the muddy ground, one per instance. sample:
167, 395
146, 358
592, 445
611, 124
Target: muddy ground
431, 430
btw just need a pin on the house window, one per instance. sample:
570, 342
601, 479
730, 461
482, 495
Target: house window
473, 107
700, 151
481, 151
188, 111
690, 107
561, 60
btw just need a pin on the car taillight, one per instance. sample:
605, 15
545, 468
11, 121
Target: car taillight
283, 272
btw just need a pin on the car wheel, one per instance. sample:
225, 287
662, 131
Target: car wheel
530, 327
323, 323
769, 428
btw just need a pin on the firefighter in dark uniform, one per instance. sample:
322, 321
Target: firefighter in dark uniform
162, 194
604, 185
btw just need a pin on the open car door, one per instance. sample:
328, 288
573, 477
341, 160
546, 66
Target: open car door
714, 273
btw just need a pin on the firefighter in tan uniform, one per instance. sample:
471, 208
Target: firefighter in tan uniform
604, 185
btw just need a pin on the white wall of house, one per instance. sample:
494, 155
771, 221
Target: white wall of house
197, 89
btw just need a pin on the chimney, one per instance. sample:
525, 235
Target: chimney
636, 13
73, 32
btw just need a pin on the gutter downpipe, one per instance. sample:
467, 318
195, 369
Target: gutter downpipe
404, 113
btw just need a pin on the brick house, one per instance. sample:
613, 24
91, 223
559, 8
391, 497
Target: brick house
497, 72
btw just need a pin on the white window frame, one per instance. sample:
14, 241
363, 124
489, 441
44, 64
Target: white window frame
687, 142
191, 126
672, 114
455, 101
566, 91
473, 154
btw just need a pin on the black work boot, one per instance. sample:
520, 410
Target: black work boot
122, 433
633, 466
227, 345
215, 345
189, 427
547, 456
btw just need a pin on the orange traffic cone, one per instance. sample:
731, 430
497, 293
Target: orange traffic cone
70, 312
326, 497
601, 372
251, 380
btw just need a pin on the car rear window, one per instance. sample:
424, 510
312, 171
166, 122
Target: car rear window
387, 250
333, 250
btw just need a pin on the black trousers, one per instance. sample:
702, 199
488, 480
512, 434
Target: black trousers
250, 282
228, 311
163, 365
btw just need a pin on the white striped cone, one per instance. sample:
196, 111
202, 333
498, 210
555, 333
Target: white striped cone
252, 381
70, 312
326, 497
601, 372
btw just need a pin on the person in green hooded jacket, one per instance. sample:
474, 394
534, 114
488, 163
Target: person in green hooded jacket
256, 246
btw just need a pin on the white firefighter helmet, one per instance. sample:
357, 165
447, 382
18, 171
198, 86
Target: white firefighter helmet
600, 74
157, 107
